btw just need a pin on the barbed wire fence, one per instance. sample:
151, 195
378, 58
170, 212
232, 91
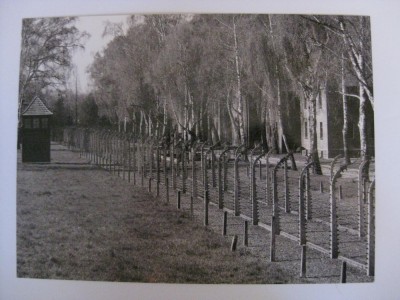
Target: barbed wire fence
253, 185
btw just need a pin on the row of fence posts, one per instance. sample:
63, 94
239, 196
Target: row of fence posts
115, 152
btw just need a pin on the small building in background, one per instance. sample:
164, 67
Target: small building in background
329, 121
36, 132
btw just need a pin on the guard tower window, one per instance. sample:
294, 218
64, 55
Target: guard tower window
36, 123
28, 123
45, 123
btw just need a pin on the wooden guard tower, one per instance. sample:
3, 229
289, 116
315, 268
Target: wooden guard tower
36, 132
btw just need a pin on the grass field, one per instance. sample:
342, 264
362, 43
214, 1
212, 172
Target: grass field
76, 221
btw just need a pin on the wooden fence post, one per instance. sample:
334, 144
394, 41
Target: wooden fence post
333, 217
151, 159
142, 175
308, 196
213, 173
225, 222
129, 161
220, 189
206, 195
225, 173
303, 271
286, 183
184, 170
206, 203
221, 169
194, 173
165, 163
158, 170
343, 273
268, 179
302, 205
246, 232
273, 241
253, 190
167, 189
361, 198
237, 191
191, 207
234, 243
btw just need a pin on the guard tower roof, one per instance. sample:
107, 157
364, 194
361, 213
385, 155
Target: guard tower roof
37, 108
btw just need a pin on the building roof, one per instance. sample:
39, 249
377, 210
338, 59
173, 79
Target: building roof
37, 108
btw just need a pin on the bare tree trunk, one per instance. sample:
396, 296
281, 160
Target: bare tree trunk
219, 121
235, 127
345, 130
164, 116
362, 124
240, 111
186, 114
313, 134
141, 124
281, 133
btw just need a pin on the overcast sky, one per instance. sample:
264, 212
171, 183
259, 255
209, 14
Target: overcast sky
94, 25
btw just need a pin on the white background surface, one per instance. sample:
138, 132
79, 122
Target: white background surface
385, 17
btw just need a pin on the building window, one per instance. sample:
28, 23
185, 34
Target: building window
36, 123
305, 130
320, 101
45, 123
27, 123
321, 131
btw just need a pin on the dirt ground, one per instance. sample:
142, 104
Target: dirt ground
77, 221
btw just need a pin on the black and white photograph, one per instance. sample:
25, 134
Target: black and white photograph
198, 148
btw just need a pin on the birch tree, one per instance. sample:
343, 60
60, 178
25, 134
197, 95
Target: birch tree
46, 49
355, 32
306, 63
